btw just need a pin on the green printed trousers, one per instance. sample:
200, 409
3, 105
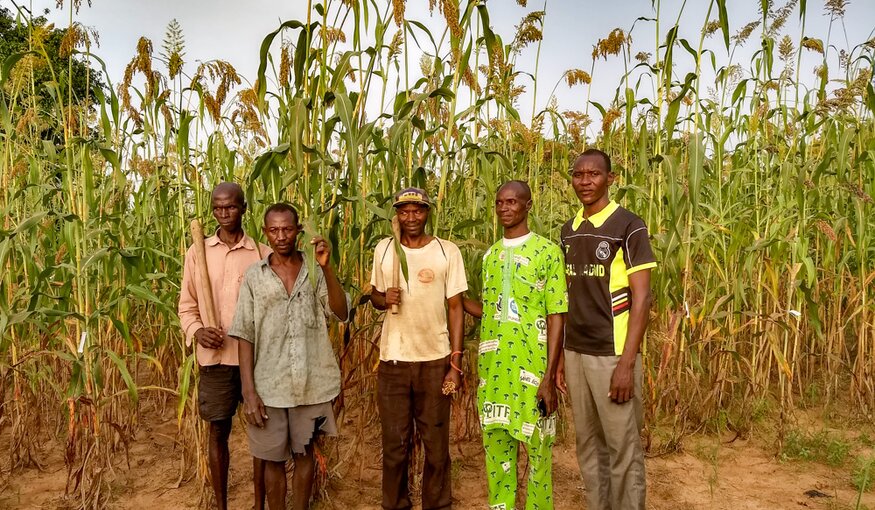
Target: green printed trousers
501, 470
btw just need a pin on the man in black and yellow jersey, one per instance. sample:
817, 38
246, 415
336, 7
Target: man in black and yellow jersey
608, 261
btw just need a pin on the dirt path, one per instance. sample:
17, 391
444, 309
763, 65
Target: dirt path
709, 475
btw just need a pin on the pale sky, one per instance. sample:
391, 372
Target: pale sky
233, 31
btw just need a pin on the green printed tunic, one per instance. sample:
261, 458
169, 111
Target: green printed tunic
522, 284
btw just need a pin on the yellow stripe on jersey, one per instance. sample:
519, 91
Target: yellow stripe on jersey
621, 326
641, 267
597, 219
619, 278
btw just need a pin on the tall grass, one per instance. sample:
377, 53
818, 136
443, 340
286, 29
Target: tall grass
758, 194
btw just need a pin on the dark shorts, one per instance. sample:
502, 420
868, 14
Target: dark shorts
219, 392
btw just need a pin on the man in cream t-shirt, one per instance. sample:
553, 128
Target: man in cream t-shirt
420, 352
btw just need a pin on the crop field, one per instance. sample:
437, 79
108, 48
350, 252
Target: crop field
755, 175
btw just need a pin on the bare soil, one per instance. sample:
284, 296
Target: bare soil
709, 474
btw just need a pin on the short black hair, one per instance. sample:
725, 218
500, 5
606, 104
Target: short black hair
594, 152
231, 188
523, 186
281, 207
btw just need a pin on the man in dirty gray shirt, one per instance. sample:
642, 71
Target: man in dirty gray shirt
288, 368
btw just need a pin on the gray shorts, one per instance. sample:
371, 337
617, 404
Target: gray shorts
290, 429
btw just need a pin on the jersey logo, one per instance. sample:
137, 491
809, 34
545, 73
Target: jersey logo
426, 275
488, 346
520, 260
603, 252
513, 313
495, 413
547, 424
529, 378
541, 326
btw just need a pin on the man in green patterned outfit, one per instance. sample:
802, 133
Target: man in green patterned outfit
524, 302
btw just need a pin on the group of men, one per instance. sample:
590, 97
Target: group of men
567, 318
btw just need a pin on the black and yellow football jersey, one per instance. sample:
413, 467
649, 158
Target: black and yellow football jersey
601, 251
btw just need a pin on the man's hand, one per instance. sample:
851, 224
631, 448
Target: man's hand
254, 409
453, 376
323, 250
547, 393
210, 338
622, 382
561, 385
393, 296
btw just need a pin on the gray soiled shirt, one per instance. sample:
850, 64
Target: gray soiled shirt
295, 363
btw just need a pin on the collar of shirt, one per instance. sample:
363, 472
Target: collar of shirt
516, 241
245, 242
598, 219
303, 274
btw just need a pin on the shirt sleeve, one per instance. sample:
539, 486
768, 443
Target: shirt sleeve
377, 279
556, 289
189, 312
636, 250
457, 281
243, 325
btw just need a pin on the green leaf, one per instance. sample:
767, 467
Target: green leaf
184, 384
675, 105
344, 109
95, 257
442, 92
378, 211
30, 222
309, 249
7, 320
696, 173
263, 55
126, 375
724, 20
870, 97
10, 62
143, 293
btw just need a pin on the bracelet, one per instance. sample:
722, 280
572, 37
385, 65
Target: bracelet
457, 369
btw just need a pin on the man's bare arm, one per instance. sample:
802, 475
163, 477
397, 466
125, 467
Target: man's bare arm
253, 406
547, 388
456, 326
622, 381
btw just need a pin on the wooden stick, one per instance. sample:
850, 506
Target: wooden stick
206, 289
396, 261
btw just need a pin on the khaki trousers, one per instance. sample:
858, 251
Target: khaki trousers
609, 448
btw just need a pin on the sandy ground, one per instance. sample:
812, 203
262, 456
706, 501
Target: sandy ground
709, 474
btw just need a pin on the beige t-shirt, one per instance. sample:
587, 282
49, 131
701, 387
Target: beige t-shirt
419, 331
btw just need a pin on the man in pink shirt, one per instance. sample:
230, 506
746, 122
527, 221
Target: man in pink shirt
228, 254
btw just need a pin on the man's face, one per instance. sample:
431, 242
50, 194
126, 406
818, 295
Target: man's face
228, 209
281, 229
591, 179
511, 207
412, 218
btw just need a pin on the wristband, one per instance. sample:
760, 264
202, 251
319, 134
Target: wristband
457, 369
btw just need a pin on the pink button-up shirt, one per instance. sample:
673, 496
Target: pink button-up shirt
226, 266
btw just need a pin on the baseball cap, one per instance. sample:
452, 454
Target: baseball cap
411, 196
